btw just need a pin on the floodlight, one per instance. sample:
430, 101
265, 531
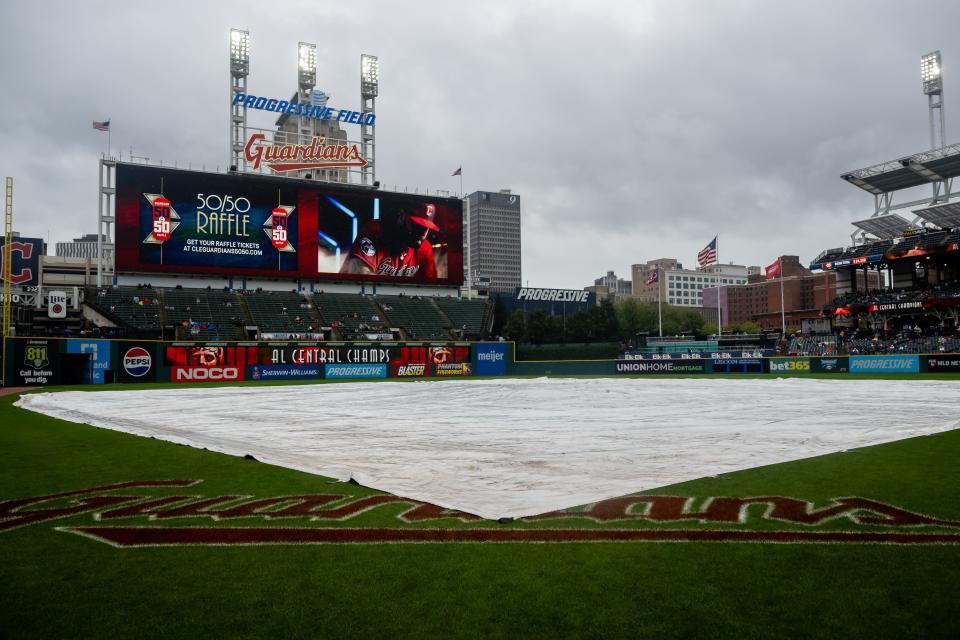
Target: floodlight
369, 75
239, 52
307, 64
930, 74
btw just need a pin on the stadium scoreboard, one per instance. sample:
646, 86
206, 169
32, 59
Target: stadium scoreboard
189, 222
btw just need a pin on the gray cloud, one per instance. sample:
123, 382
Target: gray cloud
633, 130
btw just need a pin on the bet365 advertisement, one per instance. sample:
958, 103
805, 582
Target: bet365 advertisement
171, 220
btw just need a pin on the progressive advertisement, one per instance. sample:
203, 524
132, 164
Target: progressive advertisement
885, 364
171, 220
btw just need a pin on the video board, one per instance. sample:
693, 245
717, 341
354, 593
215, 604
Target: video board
176, 221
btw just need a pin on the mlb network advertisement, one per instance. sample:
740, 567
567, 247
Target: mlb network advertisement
176, 221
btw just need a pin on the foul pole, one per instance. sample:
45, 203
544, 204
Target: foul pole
7, 265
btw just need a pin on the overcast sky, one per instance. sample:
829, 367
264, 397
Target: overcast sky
632, 131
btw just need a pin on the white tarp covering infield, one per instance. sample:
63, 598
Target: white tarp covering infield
500, 448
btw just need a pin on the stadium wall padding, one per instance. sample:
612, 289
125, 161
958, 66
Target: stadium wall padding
39, 361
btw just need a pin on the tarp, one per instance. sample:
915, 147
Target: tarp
509, 448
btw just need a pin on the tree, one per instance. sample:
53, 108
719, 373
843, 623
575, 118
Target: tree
516, 327
500, 316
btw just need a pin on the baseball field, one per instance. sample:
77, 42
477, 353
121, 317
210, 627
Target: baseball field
107, 534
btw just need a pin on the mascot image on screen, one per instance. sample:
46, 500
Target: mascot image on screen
397, 246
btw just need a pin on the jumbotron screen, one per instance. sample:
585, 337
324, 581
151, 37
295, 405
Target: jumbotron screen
176, 221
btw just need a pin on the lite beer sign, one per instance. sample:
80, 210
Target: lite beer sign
318, 154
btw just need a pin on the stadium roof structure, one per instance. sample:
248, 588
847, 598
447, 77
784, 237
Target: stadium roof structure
916, 170
886, 227
945, 216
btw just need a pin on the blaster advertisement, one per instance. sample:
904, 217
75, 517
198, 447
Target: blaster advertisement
171, 220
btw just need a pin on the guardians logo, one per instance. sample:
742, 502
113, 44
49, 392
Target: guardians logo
130, 514
296, 157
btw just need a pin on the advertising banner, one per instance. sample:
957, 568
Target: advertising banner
137, 362
738, 365
99, 352
343, 371
491, 359
197, 362
284, 371
447, 369
944, 364
790, 365
884, 364
170, 220
206, 363
830, 365
35, 362
678, 367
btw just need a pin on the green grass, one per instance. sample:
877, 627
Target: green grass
56, 584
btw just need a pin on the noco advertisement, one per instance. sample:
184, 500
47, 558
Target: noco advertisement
171, 220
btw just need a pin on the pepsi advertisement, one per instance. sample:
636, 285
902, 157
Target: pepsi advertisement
177, 221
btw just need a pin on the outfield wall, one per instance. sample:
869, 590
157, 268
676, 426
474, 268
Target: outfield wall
52, 361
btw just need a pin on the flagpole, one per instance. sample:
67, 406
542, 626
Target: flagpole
109, 131
659, 305
719, 317
783, 311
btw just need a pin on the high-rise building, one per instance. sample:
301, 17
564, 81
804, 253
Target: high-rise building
83, 247
492, 238
612, 287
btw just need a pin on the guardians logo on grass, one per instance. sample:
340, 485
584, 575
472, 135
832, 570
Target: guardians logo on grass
127, 514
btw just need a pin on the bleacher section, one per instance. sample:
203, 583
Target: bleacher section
351, 315
417, 316
281, 311
467, 315
215, 314
814, 345
136, 309
204, 314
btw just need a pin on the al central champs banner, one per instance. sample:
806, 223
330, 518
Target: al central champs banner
176, 221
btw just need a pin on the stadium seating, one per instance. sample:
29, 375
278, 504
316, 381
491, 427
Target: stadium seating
137, 309
351, 315
814, 345
466, 315
417, 316
280, 311
203, 314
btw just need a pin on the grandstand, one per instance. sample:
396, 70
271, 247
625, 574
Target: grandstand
203, 314
470, 316
417, 317
138, 310
281, 312
213, 314
352, 316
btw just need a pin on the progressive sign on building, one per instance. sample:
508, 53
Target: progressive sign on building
552, 299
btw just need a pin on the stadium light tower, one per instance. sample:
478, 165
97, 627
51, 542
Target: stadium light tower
239, 69
307, 65
931, 74
306, 81
369, 89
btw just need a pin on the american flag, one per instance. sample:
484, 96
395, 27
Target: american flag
101, 126
458, 172
653, 277
708, 255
